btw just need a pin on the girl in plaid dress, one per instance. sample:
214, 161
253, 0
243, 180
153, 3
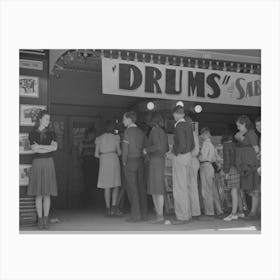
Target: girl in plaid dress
247, 161
232, 177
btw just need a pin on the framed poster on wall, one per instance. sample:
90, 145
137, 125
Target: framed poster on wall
29, 86
24, 144
29, 114
24, 174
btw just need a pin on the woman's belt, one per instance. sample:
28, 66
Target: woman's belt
245, 146
112, 152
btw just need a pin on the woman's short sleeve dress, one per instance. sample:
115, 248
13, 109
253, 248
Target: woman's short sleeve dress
109, 166
247, 162
42, 180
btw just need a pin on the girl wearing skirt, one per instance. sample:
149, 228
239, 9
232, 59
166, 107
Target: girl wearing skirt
247, 161
43, 179
232, 177
108, 150
156, 149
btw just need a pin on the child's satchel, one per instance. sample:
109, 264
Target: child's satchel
216, 167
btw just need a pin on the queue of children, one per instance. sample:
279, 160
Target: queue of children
189, 160
241, 168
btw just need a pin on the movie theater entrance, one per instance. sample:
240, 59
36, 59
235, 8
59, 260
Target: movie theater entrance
84, 88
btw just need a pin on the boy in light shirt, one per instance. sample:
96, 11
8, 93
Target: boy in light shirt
209, 190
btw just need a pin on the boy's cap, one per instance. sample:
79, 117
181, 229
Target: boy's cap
205, 130
179, 110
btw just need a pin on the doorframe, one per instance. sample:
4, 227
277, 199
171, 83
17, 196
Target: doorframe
80, 119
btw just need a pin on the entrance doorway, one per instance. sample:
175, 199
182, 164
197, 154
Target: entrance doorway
82, 172
76, 189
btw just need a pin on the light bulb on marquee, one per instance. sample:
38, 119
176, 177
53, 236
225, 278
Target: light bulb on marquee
150, 106
198, 108
180, 103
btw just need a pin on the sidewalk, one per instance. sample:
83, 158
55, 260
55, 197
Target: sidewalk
88, 221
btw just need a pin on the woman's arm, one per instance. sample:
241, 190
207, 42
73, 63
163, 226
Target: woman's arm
44, 148
239, 136
37, 149
253, 140
204, 152
118, 147
257, 149
96, 153
54, 145
49, 148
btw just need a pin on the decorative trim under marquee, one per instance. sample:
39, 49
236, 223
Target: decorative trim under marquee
29, 86
29, 113
205, 59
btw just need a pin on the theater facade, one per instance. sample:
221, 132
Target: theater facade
86, 87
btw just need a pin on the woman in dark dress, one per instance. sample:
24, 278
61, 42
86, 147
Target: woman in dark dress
43, 178
156, 149
247, 161
90, 166
258, 128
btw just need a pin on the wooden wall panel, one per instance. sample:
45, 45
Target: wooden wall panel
27, 203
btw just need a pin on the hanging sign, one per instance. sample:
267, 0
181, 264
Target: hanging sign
147, 80
31, 64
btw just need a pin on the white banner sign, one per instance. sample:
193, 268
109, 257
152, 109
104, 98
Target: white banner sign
138, 79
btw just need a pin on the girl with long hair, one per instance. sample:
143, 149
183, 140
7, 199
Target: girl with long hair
156, 149
43, 178
247, 161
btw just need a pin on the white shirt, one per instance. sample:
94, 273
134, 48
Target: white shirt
132, 125
207, 152
181, 120
195, 150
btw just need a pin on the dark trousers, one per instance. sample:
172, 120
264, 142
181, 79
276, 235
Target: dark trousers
136, 188
90, 170
122, 192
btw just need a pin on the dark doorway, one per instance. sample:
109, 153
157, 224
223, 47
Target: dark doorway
76, 190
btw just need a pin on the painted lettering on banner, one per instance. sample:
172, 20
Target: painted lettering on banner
138, 79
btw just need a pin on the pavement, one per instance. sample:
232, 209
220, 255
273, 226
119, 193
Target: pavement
91, 221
